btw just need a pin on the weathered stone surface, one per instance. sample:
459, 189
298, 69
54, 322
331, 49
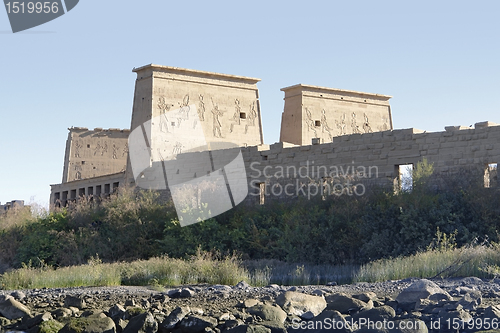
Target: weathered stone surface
12, 309
117, 311
492, 312
376, 314
89, 325
420, 289
175, 317
76, 301
365, 297
344, 303
143, 323
409, 326
471, 300
197, 324
300, 304
268, 313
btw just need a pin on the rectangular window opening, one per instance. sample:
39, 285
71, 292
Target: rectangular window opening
404, 180
107, 188
262, 193
491, 175
243, 115
317, 123
98, 190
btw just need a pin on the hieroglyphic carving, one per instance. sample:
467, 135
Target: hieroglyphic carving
366, 125
164, 108
115, 149
384, 127
183, 111
177, 148
125, 150
97, 148
354, 125
104, 148
78, 145
252, 115
216, 122
324, 125
236, 116
310, 122
201, 109
341, 125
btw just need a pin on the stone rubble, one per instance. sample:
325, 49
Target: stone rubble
410, 306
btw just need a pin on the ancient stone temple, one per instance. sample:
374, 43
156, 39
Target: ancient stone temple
190, 125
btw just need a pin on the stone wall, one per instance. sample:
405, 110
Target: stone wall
94, 153
320, 114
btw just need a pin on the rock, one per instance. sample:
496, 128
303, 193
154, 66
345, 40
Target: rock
327, 321
50, 326
175, 317
143, 323
471, 300
117, 311
250, 302
344, 304
76, 301
242, 285
492, 312
249, 329
89, 325
299, 304
197, 324
186, 293
470, 281
37, 320
454, 318
365, 297
268, 313
318, 292
61, 313
331, 283
18, 295
376, 314
420, 289
12, 309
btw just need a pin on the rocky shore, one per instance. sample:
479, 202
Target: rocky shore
410, 305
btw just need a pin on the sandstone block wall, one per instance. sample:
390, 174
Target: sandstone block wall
318, 113
94, 153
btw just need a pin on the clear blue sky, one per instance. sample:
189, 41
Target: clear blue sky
439, 59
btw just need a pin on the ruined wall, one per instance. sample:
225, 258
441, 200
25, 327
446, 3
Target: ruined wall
312, 112
94, 153
374, 158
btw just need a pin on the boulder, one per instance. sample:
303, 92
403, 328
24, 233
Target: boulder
175, 317
143, 323
344, 303
420, 289
268, 313
301, 304
471, 300
12, 309
76, 301
380, 313
196, 324
89, 325
492, 312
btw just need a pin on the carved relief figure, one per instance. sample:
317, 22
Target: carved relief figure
184, 110
310, 122
78, 175
236, 116
201, 109
341, 125
104, 148
216, 124
177, 148
125, 150
324, 125
366, 125
252, 115
97, 148
78, 145
164, 107
354, 126
115, 148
